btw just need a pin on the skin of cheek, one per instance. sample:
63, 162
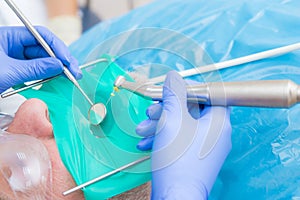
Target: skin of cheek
32, 118
5, 193
62, 179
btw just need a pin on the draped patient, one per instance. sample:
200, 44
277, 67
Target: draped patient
31, 168
32, 118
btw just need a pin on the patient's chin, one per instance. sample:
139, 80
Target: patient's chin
32, 118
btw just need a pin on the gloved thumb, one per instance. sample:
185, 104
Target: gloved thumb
171, 140
174, 94
35, 69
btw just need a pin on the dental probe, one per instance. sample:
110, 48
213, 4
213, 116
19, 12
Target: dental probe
260, 93
47, 48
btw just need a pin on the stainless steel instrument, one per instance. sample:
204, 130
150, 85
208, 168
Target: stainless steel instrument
260, 93
43, 43
97, 111
101, 177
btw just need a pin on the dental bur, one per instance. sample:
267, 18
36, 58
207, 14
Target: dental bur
260, 93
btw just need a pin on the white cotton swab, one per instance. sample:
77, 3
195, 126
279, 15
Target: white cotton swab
231, 63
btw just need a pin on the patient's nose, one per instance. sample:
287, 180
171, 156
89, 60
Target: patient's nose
32, 118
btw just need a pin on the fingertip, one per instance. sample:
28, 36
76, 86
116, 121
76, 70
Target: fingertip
141, 127
77, 73
145, 144
154, 111
146, 128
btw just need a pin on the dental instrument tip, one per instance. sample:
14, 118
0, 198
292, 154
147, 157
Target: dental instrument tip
119, 81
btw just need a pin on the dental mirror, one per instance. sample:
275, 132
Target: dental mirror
97, 113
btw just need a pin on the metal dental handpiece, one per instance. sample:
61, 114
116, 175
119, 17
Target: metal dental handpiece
261, 93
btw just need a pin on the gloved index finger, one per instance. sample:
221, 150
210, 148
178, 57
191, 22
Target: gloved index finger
61, 51
146, 128
57, 46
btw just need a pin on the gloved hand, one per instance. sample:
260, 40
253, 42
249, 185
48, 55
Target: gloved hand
23, 59
179, 171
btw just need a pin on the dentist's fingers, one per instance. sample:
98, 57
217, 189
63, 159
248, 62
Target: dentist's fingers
145, 144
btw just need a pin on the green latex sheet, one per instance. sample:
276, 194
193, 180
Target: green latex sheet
89, 151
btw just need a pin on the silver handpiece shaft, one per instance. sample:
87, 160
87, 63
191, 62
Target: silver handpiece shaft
44, 44
262, 93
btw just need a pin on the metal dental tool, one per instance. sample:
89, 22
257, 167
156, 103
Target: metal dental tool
97, 112
272, 93
260, 93
106, 175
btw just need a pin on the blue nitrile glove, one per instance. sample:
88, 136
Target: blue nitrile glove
23, 59
179, 170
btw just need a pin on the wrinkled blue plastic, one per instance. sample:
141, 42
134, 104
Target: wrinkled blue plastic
264, 161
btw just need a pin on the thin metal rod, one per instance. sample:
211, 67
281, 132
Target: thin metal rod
106, 175
44, 44
85, 96
233, 62
39, 82
93, 63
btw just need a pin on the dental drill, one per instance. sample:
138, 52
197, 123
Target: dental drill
260, 93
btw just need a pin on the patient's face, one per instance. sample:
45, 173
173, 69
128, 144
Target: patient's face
32, 119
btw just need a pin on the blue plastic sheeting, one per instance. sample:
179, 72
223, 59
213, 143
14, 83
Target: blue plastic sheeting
264, 161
